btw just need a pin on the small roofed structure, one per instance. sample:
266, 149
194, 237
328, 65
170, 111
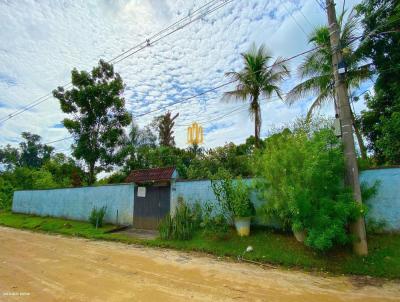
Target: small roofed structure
152, 200
152, 175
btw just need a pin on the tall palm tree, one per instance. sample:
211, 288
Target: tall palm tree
317, 73
257, 79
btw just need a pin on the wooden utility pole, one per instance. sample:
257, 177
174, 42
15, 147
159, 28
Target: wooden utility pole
351, 178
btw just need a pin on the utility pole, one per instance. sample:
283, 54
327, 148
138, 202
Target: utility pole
351, 174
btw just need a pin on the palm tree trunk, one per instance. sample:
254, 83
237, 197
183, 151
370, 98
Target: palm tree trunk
360, 141
256, 128
257, 119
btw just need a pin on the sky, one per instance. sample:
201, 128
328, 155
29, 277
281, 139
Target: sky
42, 41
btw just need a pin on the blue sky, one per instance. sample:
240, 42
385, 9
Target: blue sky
41, 41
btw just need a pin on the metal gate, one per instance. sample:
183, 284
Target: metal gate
150, 206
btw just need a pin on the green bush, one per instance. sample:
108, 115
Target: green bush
180, 226
233, 195
374, 226
301, 178
214, 223
96, 216
6, 194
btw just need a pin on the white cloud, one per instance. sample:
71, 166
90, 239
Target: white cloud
42, 41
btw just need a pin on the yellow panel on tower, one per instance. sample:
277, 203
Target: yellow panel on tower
195, 134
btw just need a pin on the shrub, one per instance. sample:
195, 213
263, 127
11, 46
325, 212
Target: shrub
197, 214
233, 195
301, 178
180, 226
214, 223
96, 216
374, 226
6, 194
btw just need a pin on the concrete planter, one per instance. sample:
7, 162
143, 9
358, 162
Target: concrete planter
242, 225
300, 236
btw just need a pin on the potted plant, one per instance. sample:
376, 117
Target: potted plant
299, 231
234, 197
242, 208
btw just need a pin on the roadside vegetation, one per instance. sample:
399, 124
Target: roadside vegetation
300, 174
270, 246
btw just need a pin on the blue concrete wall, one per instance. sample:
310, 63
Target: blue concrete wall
198, 191
386, 204
77, 203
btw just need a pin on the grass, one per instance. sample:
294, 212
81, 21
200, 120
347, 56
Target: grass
268, 246
282, 249
52, 225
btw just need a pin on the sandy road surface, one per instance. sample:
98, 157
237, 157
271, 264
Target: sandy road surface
43, 268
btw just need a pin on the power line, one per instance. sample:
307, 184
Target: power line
198, 14
35, 103
162, 31
151, 42
222, 85
204, 92
185, 99
305, 17
243, 107
321, 4
226, 114
215, 88
218, 117
225, 84
148, 43
141, 47
207, 91
58, 140
294, 19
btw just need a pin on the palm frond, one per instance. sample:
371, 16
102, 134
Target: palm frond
236, 95
357, 75
312, 86
321, 99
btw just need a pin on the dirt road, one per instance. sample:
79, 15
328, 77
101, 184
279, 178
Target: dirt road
38, 267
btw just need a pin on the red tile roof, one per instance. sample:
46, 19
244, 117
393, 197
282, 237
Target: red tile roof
147, 175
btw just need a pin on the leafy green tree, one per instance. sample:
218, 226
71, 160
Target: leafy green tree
98, 117
257, 79
236, 159
9, 157
140, 142
317, 74
195, 149
33, 153
381, 43
389, 141
164, 125
63, 170
24, 178
142, 137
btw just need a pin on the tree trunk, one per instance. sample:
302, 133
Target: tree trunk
360, 141
257, 120
91, 174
